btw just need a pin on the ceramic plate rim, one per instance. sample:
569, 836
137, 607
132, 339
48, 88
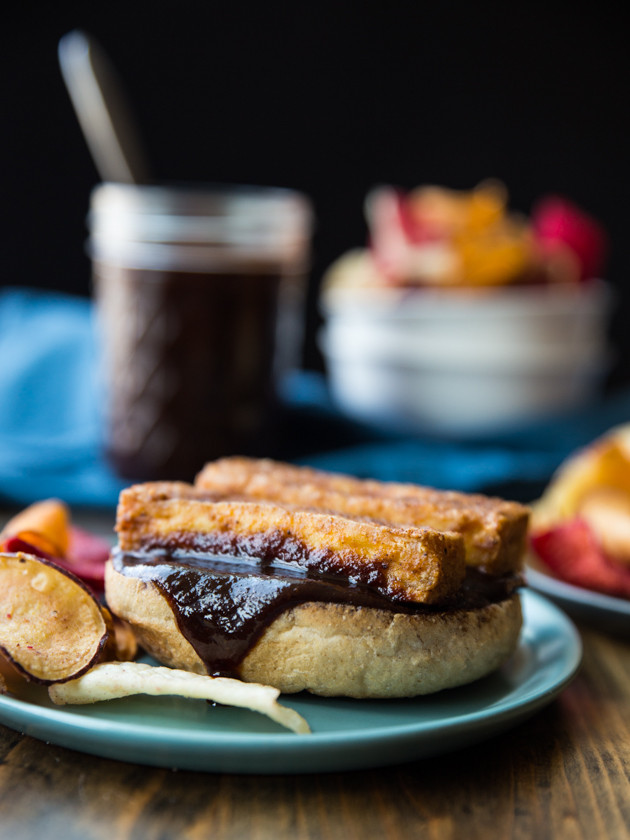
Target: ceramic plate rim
553, 587
516, 705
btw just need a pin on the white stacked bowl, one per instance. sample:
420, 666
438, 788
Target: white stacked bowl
459, 362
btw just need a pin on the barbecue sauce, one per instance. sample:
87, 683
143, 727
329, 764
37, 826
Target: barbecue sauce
223, 604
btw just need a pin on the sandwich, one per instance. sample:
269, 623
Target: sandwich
306, 580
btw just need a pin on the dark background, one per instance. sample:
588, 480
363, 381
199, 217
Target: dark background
326, 97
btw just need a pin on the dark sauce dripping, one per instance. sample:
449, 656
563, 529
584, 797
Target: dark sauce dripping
223, 604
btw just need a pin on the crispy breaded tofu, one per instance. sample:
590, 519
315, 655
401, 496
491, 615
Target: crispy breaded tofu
421, 565
494, 531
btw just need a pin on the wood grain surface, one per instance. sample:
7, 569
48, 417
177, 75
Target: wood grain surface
564, 773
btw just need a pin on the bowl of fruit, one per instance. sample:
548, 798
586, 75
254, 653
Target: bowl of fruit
463, 317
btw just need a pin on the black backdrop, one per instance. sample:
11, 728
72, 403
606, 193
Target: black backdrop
327, 97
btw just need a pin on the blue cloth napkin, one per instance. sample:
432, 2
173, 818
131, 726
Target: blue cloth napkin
525, 456
52, 431
51, 427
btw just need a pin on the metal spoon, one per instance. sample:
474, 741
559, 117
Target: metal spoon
102, 110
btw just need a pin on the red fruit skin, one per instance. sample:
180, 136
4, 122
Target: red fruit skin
13, 545
556, 221
573, 554
394, 232
414, 232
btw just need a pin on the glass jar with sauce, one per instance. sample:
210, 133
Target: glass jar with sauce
199, 294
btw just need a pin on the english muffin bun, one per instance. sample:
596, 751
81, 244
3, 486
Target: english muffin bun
338, 649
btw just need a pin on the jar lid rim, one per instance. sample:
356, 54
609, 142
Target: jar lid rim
196, 199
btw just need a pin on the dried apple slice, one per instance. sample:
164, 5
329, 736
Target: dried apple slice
30, 542
85, 554
603, 464
111, 680
12, 681
48, 520
52, 628
121, 645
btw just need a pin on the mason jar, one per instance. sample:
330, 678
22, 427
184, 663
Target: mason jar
200, 296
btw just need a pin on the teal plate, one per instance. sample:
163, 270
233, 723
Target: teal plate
347, 734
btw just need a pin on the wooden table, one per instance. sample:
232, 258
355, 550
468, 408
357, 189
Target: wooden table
565, 773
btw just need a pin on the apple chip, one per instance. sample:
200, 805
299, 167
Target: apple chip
45, 524
111, 680
603, 464
52, 628
45, 529
12, 681
121, 645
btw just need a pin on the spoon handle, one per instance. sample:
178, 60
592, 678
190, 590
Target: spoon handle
101, 109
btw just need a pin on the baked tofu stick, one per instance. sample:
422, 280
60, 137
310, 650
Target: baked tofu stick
494, 530
419, 565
